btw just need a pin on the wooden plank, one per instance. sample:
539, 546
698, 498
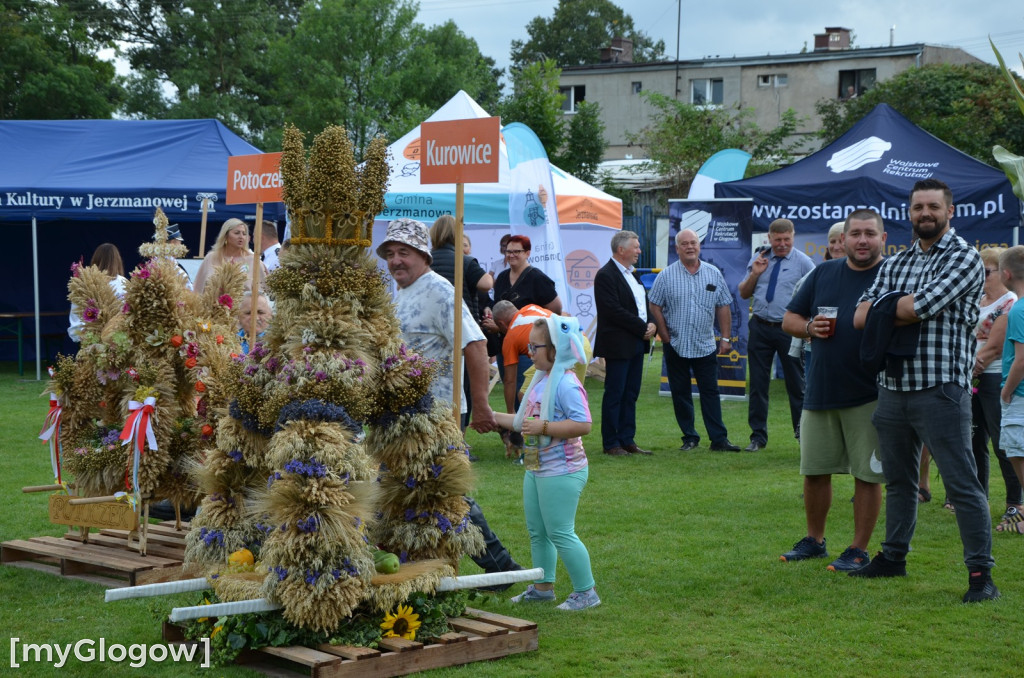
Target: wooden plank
399, 644
107, 514
97, 555
435, 656
452, 637
452, 649
510, 623
475, 627
107, 581
353, 652
306, 656
176, 553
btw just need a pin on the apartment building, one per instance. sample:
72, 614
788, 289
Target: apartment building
769, 84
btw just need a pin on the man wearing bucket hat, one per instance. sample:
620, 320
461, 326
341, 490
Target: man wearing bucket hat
425, 306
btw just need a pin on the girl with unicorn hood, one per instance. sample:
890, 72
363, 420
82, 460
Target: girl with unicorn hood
556, 412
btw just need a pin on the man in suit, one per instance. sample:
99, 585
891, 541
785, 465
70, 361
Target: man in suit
622, 339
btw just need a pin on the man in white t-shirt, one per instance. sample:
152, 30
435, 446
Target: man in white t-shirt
425, 306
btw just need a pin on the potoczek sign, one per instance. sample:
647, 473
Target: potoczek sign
254, 178
460, 151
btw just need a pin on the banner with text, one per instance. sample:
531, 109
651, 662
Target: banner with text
531, 202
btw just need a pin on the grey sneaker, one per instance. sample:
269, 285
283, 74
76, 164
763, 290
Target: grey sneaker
851, 559
580, 601
533, 595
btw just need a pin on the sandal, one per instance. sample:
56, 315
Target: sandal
924, 495
1017, 527
1013, 516
949, 507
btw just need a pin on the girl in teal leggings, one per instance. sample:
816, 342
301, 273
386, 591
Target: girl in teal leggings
555, 411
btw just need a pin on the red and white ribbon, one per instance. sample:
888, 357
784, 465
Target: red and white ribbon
140, 424
51, 432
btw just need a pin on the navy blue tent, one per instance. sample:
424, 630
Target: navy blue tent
875, 164
67, 186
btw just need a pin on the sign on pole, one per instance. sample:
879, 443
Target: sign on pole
459, 152
254, 179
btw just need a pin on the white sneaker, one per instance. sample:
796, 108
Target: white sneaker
580, 601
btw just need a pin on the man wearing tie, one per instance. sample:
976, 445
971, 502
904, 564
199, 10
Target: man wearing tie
772, 292
622, 339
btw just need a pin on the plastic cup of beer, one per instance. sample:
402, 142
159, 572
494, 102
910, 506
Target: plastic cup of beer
829, 313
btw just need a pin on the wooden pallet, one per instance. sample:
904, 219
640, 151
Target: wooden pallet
106, 558
477, 635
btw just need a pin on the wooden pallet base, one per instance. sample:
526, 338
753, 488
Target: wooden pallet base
106, 558
478, 635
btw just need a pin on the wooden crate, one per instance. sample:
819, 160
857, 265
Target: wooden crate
106, 558
477, 635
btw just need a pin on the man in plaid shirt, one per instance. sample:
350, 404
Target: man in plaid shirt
940, 279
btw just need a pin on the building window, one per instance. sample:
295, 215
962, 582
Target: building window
637, 87
706, 91
852, 83
781, 79
764, 81
574, 96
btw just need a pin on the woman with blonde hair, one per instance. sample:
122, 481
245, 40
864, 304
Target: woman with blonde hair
231, 246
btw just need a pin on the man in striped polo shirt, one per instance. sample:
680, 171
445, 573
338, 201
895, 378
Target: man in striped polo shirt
686, 299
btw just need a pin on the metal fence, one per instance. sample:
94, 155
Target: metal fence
645, 226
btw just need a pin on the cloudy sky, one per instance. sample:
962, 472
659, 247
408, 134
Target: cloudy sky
751, 28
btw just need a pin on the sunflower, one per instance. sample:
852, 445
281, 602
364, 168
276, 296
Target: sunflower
401, 624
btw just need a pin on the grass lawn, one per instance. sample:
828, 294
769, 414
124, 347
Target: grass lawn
685, 549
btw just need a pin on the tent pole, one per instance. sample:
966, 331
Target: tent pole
202, 228
460, 196
35, 294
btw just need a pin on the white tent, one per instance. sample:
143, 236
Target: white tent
588, 217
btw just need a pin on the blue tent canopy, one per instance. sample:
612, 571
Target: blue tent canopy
70, 185
875, 164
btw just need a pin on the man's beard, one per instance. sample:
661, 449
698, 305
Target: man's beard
930, 229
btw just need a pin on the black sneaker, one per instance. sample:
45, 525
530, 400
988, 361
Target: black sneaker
980, 587
880, 566
851, 559
804, 549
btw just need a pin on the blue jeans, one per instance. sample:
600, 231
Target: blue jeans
765, 341
705, 371
622, 380
939, 417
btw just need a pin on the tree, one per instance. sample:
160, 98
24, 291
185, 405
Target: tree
537, 103
368, 66
576, 33
444, 60
49, 68
682, 136
584, 143
211, 55
576, 146
969, 107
